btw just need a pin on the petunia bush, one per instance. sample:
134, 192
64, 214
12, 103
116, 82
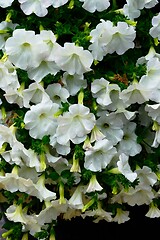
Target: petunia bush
79, 112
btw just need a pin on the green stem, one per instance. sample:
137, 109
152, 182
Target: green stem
114, 4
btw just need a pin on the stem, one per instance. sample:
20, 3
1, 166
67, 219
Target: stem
61, 193
6, 234
114, 4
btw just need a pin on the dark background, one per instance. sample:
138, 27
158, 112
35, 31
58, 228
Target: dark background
138, 227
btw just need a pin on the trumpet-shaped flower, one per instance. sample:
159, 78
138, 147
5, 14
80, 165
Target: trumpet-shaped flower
155, 29
93, 185
125, 169
107, 38
132, 9
49, 39
135, 93
78, 118
122, 39
153, 211
111, 125
121, 216
100, 90
99, 156
34, 94
4, 26
14, 96
42, 192
73, 59
8, 76
21, 156
6, 3
73, 83
25, 49
153, 111
156, 141
51, 212
128, 145
146, 176
100, 37
76, 200
40, 120
58, 3
98, 214
139, 195
45, 67
15, 213
93, 5
33, 6
150, 81
57, 93
7, 135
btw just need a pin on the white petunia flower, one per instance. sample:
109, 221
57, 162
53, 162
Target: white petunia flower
156, 141
155, 29
146, 176
58, 3
100, 90
33, 6
73, 59
43, 192
34, 94
78, 118
121, 216
45, 67
62, 149
6, 3
132, 9
50, 40
122, 39
98, 214
25, 49
111, 125
21, 156
125, 169
7, 135
150, 81
13, 182
99, 156
76, 200
51, 212
47, 64
57, 93
153, 211
93, 5
40, 120
8, 76
15, 213
118, 105
14, 96
128, 145
73, 83
4, 32
153, 111
134, 93
140, 195
93, 185
100, 37
107, 38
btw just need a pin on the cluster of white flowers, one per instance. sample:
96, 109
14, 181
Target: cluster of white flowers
73, 133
